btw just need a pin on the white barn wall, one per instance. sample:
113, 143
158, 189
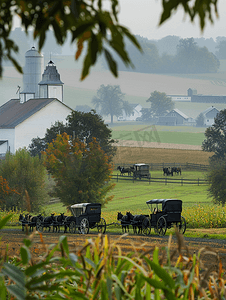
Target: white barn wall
36, 125
7, 134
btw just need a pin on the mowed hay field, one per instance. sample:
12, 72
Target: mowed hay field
130, 155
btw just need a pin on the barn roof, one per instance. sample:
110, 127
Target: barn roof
179, 113
209, 109
12, 113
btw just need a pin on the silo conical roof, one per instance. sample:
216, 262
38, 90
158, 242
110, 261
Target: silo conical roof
51, 75
32, 52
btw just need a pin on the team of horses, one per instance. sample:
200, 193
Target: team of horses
166, 170
123, 170
46, 222
128, 219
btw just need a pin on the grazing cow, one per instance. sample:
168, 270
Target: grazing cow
125, 170
176, 170
167, 171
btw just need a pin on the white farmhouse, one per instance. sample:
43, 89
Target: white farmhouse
136, 113
40, 105
209, 115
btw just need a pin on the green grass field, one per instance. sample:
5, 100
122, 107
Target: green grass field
160, 136
198, 209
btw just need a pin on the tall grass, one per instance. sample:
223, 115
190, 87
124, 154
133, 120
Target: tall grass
102, 270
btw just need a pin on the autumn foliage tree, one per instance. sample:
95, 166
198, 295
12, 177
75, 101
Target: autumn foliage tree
27, 176
82, 171
5, 191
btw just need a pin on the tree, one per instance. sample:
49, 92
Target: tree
146, 115
200, 120
26, 175
146, 62
110, 101
81, 170
216, 137
216, 178
5, 192
192, 59
160, 103
89, 23
84, 126
221, 52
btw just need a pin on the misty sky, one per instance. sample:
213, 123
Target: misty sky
142, 17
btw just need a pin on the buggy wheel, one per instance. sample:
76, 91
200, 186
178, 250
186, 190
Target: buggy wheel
182, 225
146, 226
84, 226
161, 226
72, 227
101, 226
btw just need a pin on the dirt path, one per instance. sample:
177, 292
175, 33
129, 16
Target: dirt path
14, 240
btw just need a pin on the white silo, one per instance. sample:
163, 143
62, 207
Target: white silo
33, 69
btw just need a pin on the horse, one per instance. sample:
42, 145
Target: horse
58, 221
48, 221
125, 220
125, 170
34, 220
24, 220
67, 221
137, 223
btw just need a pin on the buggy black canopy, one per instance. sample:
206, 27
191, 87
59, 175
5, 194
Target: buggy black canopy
168, 205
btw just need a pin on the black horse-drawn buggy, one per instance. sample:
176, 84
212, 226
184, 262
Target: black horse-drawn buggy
85, 216
165, 213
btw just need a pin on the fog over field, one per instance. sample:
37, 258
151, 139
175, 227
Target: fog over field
136, 86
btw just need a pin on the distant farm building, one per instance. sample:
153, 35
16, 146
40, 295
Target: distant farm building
209, 115
173, 118
39, 106
136, 113
205, 98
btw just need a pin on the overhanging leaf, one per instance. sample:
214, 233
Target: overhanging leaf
111, 62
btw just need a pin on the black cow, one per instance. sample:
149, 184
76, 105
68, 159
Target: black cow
176, 170
167, 171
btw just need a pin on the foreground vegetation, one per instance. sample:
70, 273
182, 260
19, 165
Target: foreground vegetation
101, 270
